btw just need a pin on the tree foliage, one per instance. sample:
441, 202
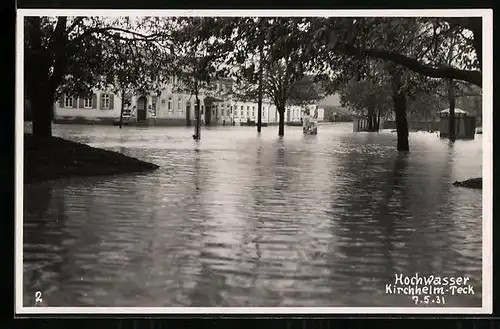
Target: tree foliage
366, 96
272, 46
419, 47
72, 55
75, 54
307, 91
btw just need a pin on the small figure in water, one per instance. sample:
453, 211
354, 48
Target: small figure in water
309, 126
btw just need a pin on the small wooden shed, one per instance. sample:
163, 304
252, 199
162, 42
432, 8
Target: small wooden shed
465, 126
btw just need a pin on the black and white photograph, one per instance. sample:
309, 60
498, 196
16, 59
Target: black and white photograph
268, 161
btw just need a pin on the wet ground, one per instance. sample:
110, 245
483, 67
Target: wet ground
239, 219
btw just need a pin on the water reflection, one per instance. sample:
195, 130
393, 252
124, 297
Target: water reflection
240, 219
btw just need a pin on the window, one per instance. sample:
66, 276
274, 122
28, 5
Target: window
253, 111
87, 102
202, 109
68, 101
241, 110
227, 112
105, 101
248, 111
179, 104
231, 109
127, 112
170, 104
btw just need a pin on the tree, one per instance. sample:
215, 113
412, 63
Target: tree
394, 33
66, 55
365, 37
419, 46
307, 91
198, 59
406, 85
280, 54
369, 98
425, 106
130, 70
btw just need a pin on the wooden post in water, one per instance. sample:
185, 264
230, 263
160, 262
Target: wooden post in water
197, 131
261, 73
451, 116
121, 111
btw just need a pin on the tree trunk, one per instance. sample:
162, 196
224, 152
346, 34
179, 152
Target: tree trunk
208, 114
401, 121
261, 72
259, 108
43, 112
371, 121
281, 124
378, 121
38, 84
188, 115
399, 99
44, 68
121, 111
451, 100
197, 132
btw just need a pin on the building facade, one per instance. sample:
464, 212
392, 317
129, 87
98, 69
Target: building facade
169, 106
100, 107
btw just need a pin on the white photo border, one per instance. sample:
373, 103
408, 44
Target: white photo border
487, 254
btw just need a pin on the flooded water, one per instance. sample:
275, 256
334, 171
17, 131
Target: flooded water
239, 219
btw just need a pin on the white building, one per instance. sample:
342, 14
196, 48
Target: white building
100, 107
171, 107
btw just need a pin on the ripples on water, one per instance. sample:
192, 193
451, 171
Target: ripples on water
244, 220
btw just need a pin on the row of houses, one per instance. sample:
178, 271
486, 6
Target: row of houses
171, 107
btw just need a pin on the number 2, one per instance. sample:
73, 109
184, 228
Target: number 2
38, 297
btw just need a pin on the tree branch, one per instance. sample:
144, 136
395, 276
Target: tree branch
77, 21
107, 31
474, 77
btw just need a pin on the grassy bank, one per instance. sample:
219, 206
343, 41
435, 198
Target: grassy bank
475, 183
54, 158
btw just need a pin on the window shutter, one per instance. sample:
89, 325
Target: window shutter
111, 101
94, 101
101, 103
81, 103
61, 101
75, 99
